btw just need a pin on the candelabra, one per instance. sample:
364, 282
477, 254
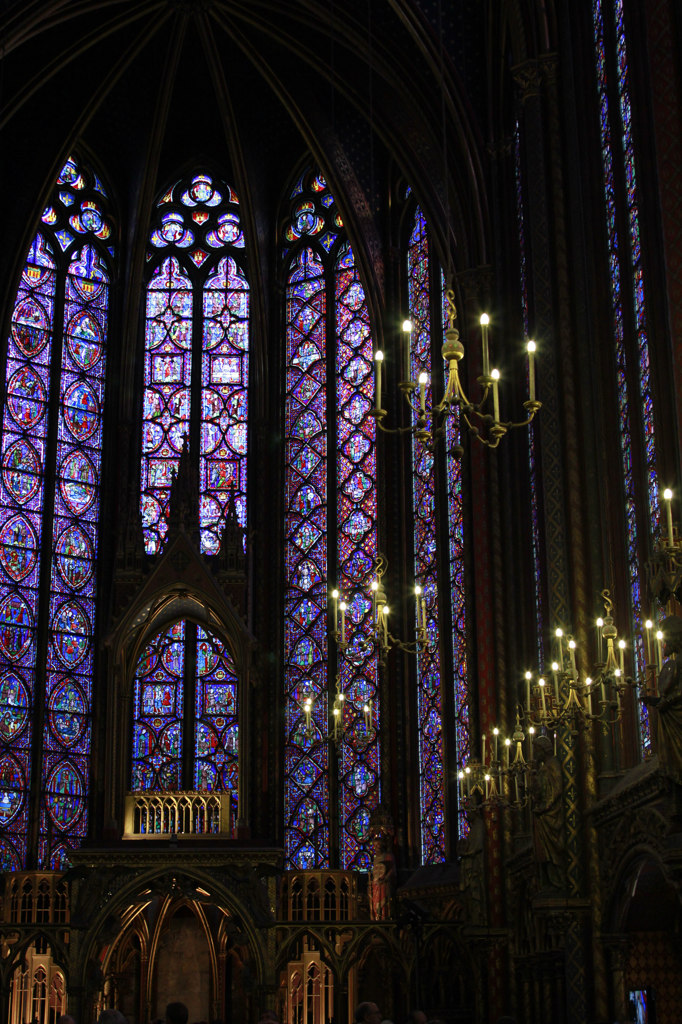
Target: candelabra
380, 635
485, 780
428, 426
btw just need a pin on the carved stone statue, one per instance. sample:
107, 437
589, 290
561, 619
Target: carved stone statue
548, 816
668, 704
383, 874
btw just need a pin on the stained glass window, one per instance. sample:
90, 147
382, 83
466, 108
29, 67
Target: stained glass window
627, 288
186, 695
330, 537
196, 357
50, 501
429, 689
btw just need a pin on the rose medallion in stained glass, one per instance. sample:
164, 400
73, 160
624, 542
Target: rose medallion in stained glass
26, 397
64, 795
18, 547
77, 482
81, 410
30, 327
67, 711
71, 630
14, 706
21, 471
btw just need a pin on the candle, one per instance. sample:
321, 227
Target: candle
541, 684
467, 772
555, 669
424, 614
487, 787
588, 694
571, 650
621, 647
423, 378
558, 633
659, 649
531, 370
496, 395
528, 679
485, 320
668, 495
507, 745
496, 733
460, 776
483, 748
378, 359
531, 733
375, 586
335, 598
343, 621
336, 722
407, 331
555, 744
600, 639
648, 626
384, 619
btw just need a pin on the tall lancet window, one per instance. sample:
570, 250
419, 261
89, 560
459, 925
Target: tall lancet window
49, 522
629, 306
331, 785
196, 357
439, 660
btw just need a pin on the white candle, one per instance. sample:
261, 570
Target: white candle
496, 395
648, 626
485, 320
460, 776
507, 745
528, 679
423, 378
496, 733
483, 748
541, 684
343, 622
668, 496
407, 331
531, 370
659, 649
335, 598
378, 359
621, 646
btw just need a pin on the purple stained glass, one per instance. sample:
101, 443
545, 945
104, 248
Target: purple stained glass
21, 499
610, 127
76, 517
357, 551
429, 698
167, 379
457, 589
58, 270
306, 799
216, 734
158, 707
224, 410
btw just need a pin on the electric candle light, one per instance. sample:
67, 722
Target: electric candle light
588, 694
496, 733
335, 598
531, 370
659, 648
374, 586
484, 321
600, 637
496, 395
407, 331
571, 648
378, 359
507, 746
648, 625
621, 647
343, 606
384, 619
529, 676
668, 496
483, 748
423, 379
541, 684
460, 776
555, 669
558, 633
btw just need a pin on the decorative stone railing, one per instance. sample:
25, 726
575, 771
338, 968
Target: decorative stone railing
179, 814
35, 897
330, 895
